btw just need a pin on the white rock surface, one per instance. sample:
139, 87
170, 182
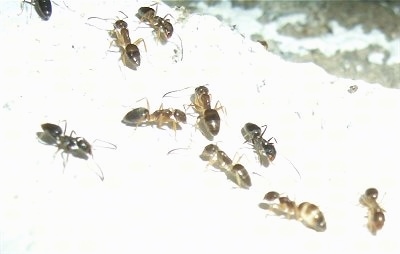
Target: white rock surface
151, 202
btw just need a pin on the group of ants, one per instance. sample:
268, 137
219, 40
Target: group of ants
208, 122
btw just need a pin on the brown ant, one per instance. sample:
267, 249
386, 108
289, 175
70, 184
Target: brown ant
142, 117
376, 216
162, 26
309, 214
208, 117
220, 160
76, 146
130, 51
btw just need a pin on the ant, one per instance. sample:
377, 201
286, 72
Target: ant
220, 160
264, 148
376, 216
208, 117
76, 146
309, 214
43, 8
130, 51
162, 26
141, 116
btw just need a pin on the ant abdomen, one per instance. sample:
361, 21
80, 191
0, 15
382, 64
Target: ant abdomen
376, 220
242, 176
312, 217
133, 54
212, 121
250, 130
136, 116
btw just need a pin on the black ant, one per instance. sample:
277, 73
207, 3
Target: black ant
130, 51
43, 8
309, 214
142, 117
264, 148
76, 146
376, 216
220, 160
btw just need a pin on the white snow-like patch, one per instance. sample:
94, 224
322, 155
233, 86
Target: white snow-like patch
151, 202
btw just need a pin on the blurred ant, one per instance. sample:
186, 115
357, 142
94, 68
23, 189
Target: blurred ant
376, 216
76, 146
162, 26
309, 214
130, 51
43, 8
208, 119
142, 117
263, 43
220, 160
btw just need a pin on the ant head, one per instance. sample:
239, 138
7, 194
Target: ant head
201, 90
209, 151
84, 145
270, 150
372, 193
271, 196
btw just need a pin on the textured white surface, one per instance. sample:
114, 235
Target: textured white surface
151, 202
340, 39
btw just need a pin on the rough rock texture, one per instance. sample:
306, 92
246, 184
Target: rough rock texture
372, 25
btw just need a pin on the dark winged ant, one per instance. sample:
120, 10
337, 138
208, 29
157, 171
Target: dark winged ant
220, 160
307, 213
130, 51
264, 148
376, 216
142, 117
76, 146
42, 7
208, 117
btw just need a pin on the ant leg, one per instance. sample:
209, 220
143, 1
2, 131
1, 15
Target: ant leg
65, 160
219, 106
140, 40
65, 126
100, 174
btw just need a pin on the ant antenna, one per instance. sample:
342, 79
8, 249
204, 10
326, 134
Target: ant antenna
178, 90
293, 166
